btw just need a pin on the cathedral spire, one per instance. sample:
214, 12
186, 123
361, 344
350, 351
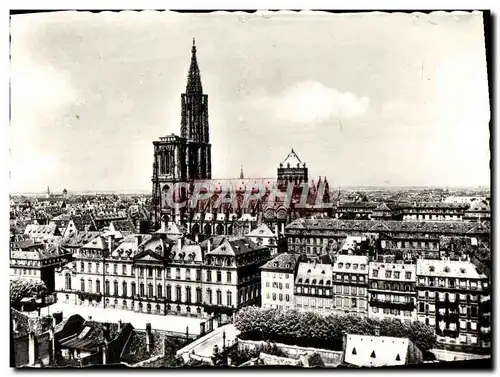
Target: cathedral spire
194, 78
242, 176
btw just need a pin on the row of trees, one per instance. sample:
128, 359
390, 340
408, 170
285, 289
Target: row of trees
311, 329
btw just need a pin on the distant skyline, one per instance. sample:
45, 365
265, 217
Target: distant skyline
368, 99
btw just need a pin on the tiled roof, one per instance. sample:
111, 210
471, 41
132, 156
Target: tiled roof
33, 229
231, 245
129, 247
80, 239
448, 268
261, 231
314, 271
367, 205
135, 350
99, 243
351, 263
83, 221
285, 262
382, 267
123, 226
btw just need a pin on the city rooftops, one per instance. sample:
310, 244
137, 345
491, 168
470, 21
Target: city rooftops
447, 227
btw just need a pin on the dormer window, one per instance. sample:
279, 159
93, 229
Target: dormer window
347, 265
308, 271
355, 266
431, 268
341, 265
307, 281
314, 281
462, 270
446, 269
323, 272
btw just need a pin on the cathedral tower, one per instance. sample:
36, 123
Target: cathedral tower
183, 158
194, 123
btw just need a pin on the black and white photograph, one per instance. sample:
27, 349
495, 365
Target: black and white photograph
245, 189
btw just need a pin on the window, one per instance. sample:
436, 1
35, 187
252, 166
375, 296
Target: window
89, 267
124, 289
228, 277
141, 272
388, 274
219, 276
168, 292
354, 277
396, 274
68, 281
267, 284
209, 275
169, 275
287, 286
150, 272
354, 291
178, 295
188, 274
287, 297
209, 296
375, 273
229, 297
115, 269
82, 266
339, 277
338, 289
106, 268
198, 295
219, 298
133, 289
177, 273
89, 285
141, 289
198, 275
159, 291
82, 284
124, 269
115, 287
374, 309
106, 287
274, 296
188, 294
354, 303
408, 275
346, 289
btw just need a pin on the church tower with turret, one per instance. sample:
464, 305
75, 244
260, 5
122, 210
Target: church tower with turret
184, 158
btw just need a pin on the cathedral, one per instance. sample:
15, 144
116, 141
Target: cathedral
186, 158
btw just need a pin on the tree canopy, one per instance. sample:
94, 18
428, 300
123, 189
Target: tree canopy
311, 329
20, 289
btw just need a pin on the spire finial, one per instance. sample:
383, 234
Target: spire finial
242, 176
194, 79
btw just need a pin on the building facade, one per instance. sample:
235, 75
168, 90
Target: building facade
313, 288
392, 291
350, 279
278, 281
453, 297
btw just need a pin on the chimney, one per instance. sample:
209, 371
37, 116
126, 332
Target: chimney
377, 330
180, 243
148, 337
209, 245
138, 239
111, 242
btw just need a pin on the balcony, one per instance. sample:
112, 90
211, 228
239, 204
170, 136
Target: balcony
392, 304
448, 314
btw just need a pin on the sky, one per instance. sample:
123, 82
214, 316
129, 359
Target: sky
367, 99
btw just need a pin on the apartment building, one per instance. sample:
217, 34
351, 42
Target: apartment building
350, 284
278, 281
392, 291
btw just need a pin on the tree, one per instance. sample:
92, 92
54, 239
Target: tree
20, 289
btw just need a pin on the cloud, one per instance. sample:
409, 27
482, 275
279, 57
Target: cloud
312, 102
